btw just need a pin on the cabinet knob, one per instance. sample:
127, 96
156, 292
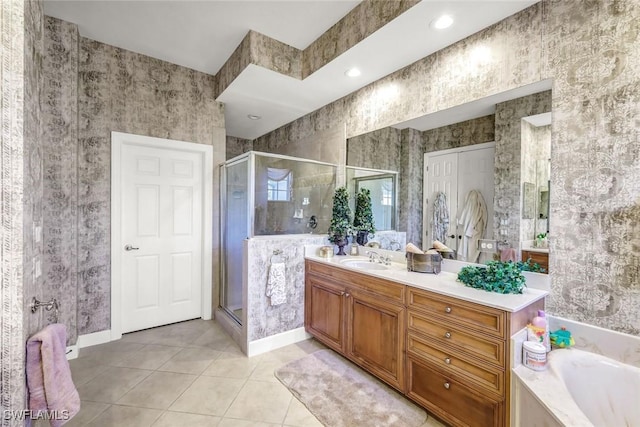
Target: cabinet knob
447, 360
447, 385
447, 310
347, 295
447, 335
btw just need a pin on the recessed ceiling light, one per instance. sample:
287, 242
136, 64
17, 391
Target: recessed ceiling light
352, 72
253, 117
443, 22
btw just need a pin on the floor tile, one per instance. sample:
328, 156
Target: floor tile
151, 357
126, 416
299, 416
208, 396
190, 360
261, 401
109, 353
264, 370
179, 419
88, 411
236, 367
215, 339
232, 422
84, 370
159, 390
111, 384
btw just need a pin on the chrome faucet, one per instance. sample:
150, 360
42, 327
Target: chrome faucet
376, 256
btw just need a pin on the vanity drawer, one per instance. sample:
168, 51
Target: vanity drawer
540, 258
485, 377
450, 399
452, 335
360, 281
483, 319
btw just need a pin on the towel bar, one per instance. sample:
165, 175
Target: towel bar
51, 305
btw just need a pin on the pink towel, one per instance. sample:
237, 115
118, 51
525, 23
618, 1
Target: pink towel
49, 380
508, 254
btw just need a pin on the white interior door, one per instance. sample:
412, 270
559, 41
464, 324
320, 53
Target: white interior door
161, 257
456, 172
476, 172
441, 174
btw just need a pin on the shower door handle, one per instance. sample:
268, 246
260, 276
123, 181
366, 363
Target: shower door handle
130, 248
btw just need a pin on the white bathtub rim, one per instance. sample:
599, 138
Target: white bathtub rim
549, 390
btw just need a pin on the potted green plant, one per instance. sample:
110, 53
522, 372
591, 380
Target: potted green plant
363, 218
340, 228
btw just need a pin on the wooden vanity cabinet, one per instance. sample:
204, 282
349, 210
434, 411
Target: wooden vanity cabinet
361, 317
448, 355
540, 258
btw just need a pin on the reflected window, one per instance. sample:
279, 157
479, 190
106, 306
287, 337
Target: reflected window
387, 194
279, 185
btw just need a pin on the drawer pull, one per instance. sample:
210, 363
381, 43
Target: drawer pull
341, 293
447, 360
447, 310
347, 295
447, 385
447, 335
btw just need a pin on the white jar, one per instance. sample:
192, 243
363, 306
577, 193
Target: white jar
534, 355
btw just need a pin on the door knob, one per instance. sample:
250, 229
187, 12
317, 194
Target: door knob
130, 248
453, 236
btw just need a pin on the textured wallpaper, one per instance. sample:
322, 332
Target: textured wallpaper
60, 148
236, 146
589, 49
508, 167
123, 91
16, 22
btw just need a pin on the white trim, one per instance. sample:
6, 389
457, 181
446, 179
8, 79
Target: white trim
276, 341
95, 338
117, 140
473, 147
72, 352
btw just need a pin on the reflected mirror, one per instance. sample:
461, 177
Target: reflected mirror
382, 185
496, 118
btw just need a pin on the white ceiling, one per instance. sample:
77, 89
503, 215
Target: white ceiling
203, 34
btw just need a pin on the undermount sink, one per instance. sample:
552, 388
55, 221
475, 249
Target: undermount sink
363, 265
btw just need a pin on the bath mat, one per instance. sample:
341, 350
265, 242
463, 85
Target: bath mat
340, 394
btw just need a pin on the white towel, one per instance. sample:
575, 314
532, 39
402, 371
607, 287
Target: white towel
276, 284
474, 222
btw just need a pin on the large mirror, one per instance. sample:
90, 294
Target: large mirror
498, 118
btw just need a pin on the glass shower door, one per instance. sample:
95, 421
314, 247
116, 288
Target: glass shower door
235, 229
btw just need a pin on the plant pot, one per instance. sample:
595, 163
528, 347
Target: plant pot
341, 242
362, 237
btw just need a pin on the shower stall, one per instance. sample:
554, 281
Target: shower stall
263, 195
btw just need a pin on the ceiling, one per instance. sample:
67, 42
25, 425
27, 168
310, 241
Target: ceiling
203, 34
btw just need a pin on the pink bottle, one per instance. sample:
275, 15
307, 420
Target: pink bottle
540, 321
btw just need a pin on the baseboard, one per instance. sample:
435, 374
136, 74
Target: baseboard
72, 352
276, 341
95, 338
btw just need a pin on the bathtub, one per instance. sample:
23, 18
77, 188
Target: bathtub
579, 389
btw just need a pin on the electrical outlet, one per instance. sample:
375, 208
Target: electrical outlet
488, 246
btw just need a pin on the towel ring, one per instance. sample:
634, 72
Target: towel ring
277, 257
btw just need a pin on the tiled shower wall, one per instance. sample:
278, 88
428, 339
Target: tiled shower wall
589, 49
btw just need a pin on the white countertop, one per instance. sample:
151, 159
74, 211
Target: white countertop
444, 283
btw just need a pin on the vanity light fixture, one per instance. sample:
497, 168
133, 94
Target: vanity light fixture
352, 72
253, 117
445, 21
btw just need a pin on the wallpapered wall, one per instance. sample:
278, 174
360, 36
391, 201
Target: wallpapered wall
589, 50
236, 146
508, 166
21, 189
117, 90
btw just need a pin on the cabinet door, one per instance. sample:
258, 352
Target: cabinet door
324, 311
376, 336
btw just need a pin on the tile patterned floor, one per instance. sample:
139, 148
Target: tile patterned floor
187, 374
